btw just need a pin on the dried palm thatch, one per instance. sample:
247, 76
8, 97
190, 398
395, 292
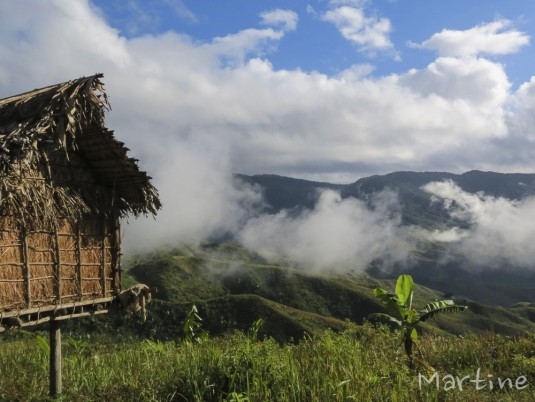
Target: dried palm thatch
58, 160
65, 181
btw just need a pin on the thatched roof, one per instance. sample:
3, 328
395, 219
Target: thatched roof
57, 158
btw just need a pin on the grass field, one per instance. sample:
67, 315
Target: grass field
314, 345
361, 363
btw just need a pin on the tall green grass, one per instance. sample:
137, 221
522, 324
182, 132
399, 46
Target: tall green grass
362, 363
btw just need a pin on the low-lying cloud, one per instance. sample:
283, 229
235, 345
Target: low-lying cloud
342, 234
501, 230
200, 198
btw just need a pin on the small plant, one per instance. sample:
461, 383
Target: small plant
400, 304
43, 345
252, 334
237, 397
192, 328
78, 346
152, 346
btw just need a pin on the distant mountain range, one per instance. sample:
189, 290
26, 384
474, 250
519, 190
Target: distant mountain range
503, 285
288, 193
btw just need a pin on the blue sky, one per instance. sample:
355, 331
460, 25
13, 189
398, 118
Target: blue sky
317, 44
328, 90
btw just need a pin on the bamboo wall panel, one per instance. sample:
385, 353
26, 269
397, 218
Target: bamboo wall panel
73, 262
41, 259
12, 285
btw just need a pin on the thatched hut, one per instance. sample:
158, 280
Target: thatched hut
65, 181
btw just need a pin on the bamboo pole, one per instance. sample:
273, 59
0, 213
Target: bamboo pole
116, 256
26, 267
79, 259
103, 258
57, 266
55, 358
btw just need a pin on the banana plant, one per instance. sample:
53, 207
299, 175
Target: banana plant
192, 327
404, 316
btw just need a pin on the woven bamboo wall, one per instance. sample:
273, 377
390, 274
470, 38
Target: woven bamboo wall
76, 261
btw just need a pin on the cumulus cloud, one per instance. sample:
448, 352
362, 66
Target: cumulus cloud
293, 123
37, 37
476, 81
285, 18
477, 85
356, 72
338, 233
521, 117
494, 38
501, 230
368, 33
235, 47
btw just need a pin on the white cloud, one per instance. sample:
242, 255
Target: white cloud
199, 196
235, 47
452, 235
285, 18
337, 234
477, 81
478, 88
501, 230
522, 118
356, 72
368, 33
492, 38
516, 150
38, 48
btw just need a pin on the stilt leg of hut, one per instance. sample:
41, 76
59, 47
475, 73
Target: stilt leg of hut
55, 357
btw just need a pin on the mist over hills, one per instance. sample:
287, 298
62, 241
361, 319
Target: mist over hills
473, 230
308, 257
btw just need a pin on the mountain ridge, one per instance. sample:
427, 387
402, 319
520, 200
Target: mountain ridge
282, 192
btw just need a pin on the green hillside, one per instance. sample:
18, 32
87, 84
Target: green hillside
232, 288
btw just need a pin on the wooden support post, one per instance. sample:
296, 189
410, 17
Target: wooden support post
55, 357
